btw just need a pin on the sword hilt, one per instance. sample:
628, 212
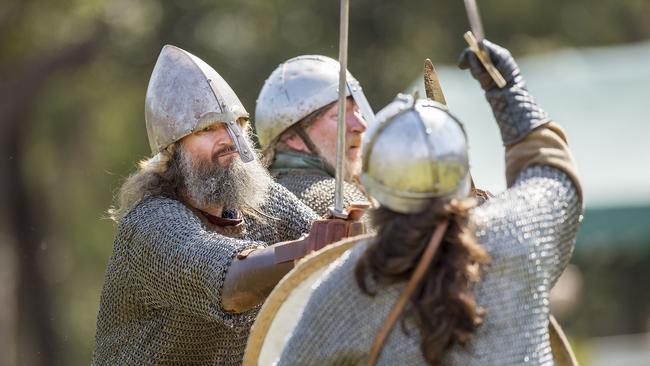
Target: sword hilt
484, 57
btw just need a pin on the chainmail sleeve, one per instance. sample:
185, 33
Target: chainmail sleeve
178, 263
290, 216
540, 215
529, 232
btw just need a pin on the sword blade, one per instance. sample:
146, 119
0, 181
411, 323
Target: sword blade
475, 23
340, 142
432, 84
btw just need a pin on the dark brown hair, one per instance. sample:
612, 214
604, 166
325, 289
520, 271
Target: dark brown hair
442, 307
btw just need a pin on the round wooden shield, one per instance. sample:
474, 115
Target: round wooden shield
281, 310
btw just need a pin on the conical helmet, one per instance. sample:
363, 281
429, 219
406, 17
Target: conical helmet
297, 88
186, 95
415, 151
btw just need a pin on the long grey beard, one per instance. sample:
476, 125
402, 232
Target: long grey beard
241, 186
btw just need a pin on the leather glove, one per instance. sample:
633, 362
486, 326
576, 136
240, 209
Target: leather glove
514, 108
322, 233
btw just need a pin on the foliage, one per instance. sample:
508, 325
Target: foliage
86, 129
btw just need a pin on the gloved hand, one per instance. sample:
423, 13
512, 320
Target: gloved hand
502, 60
322, 233
254, 272
514, 108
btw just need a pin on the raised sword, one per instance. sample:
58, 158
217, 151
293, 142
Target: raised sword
474, 39
338, 210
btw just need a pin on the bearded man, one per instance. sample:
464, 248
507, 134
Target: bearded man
192, 258
296, 123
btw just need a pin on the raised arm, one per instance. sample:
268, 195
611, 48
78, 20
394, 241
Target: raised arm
527, 132
540, 212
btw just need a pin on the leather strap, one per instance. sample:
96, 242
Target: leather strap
562, 353
307, 140
322, 233
417, 275
290, 251
312, 147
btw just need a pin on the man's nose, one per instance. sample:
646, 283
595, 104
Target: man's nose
221, 137
355, 122
225, 139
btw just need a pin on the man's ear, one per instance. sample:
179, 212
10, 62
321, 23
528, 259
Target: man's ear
294, 142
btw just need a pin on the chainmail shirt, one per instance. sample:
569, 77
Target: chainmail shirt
529, 231
161, 301
311, 183
317, 191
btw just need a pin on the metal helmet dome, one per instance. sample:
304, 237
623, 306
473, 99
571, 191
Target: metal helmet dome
415, 151
185, 95
298, 87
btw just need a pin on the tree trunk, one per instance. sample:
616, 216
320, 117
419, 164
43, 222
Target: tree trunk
25, 225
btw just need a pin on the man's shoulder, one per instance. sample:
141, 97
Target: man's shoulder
279, 198
304, 180
277, 190
155, 208
157, 203
317, 191
300, 176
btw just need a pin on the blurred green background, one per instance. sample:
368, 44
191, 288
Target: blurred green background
73, 75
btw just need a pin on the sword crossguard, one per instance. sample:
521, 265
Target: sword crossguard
338, 214
484, 57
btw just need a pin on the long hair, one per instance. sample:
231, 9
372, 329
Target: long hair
157, 176
443, 306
